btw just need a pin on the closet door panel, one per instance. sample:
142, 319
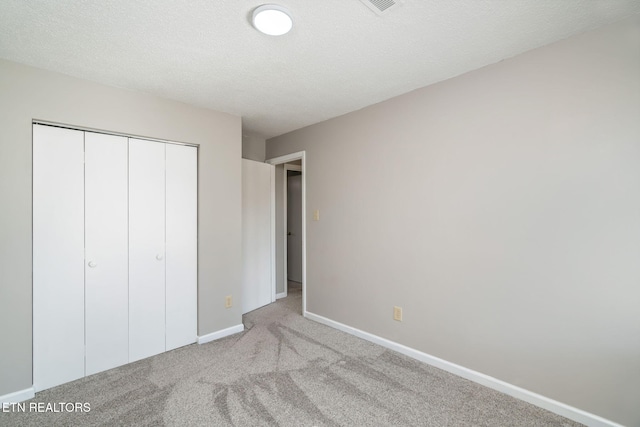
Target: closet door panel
106, 263
181, 244
146, 249
58, 256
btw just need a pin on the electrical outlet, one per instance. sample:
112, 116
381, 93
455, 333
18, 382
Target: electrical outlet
397, 313
228, 301
316, 215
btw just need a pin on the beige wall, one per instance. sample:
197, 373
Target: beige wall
501, 210
253, 147
27, 93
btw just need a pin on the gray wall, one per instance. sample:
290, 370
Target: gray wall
27, 93
501, 210
253, 147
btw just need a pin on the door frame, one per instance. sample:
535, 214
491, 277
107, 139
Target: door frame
300, 155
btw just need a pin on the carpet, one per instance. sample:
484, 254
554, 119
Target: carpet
283, 370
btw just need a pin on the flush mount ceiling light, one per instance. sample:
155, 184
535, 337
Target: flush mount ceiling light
272, 19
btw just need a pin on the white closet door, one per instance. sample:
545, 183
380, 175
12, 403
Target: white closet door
257, 201
146, 248
58, 256
181, 244
106, 263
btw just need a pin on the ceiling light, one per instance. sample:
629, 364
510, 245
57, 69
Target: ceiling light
272, 19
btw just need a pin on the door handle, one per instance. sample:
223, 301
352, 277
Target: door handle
289, 234
159, 257
92, 264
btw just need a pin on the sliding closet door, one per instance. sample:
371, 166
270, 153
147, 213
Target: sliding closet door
146, 249
107, 261
58, 256
182, 244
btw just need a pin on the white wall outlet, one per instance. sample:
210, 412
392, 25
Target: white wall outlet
228, 301
316, 215
397, 313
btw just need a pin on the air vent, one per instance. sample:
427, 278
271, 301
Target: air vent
381, 6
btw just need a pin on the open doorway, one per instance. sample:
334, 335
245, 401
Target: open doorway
293, 221
290, 227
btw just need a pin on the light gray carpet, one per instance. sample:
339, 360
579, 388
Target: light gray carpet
283, 370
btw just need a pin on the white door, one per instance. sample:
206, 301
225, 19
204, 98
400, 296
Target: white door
257, 247
181, 245
58, 256
294, 227
146, 248
106, 264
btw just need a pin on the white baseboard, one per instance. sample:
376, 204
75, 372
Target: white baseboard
220, 334
18, 396
281, 295
551, 405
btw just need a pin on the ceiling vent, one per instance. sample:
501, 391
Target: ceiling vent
381, 7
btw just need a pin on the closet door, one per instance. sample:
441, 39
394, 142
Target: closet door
181, 244
146, 248
58, 256
106, 263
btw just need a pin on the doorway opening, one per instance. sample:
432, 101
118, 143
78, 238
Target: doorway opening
290, 226
292, 210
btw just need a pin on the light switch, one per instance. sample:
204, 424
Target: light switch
316, 215
397, 313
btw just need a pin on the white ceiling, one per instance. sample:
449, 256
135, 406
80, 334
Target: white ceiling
339, 57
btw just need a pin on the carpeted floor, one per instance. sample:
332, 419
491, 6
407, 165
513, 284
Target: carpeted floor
283, 370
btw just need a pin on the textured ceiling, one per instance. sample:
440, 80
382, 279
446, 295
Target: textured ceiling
339, 57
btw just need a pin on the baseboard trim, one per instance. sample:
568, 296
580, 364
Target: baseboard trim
281, 295
18, 396
551, 405
220, 334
